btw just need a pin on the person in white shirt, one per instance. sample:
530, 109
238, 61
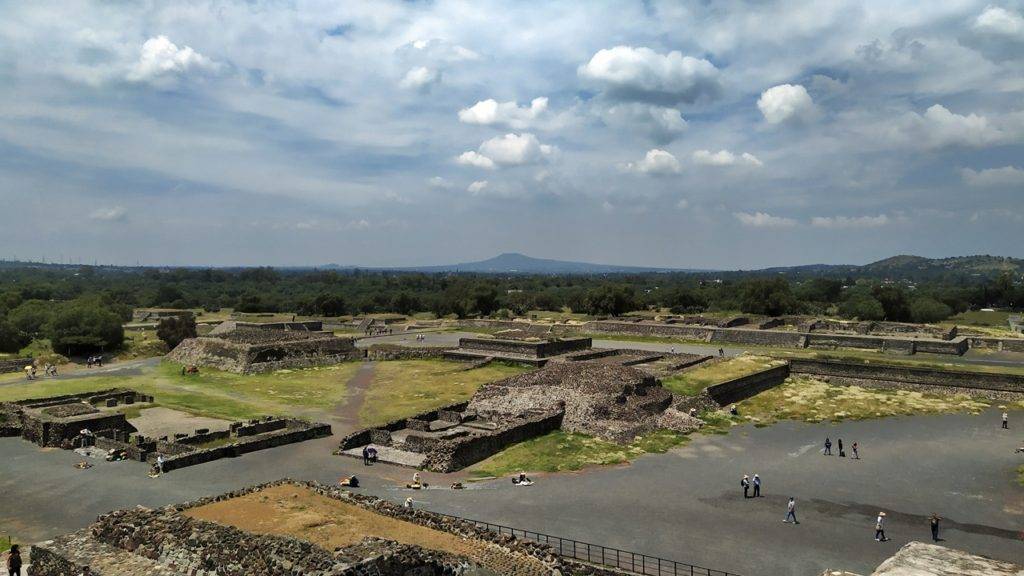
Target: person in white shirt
880, 528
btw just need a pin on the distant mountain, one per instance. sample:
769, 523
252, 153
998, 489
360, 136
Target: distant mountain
907, 267
514, 263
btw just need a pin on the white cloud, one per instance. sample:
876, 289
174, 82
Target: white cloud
477, 187
420, 78
1005, 176
763, 220
491, 112
472, 158
850, 221
786, 102
998, 20
655, 162
161, 58
725, 158
939, 127
439, 183
508, 150
438, 50
683, 204
111, 214
641, 74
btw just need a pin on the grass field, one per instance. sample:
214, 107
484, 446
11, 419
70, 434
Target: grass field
692, 382
213, 393
406, 387
995, 319
564, 451
812, 400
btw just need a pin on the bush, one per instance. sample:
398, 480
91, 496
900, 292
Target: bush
32, 316
82, 328
862, 307
174, 329
929, 310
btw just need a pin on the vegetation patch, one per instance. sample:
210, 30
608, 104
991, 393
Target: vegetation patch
213, 393
565, 451
811, 400
693, 382
405, 387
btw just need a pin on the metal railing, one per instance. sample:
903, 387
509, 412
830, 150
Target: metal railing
602, 555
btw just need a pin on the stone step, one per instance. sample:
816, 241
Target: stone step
101, 559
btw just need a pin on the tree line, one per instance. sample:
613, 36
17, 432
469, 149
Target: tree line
81, 309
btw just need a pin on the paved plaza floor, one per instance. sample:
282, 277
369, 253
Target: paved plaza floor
684, 505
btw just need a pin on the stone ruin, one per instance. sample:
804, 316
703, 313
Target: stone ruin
920, 559
247, 350
59, 422
609, 401
520, 348
168, 542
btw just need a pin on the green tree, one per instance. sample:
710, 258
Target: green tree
83, 327
894, 302
174, 329
609, 299
32, 316
325, 304
12, 339
862, 307
769, 296
928, 310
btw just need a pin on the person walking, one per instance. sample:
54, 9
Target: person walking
14, 561
160, 463
934, 522
856, 456
839, 441
828, 446
1006, 421
791, 511
880, 528
757, 486
366, 456
745, 482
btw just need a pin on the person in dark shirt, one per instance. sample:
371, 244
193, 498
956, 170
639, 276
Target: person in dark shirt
828, 446
14, 561
934, 522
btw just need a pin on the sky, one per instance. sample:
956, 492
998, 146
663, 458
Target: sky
721, 134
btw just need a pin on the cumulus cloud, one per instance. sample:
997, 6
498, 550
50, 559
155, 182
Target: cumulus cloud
490, 112
508, 150
662, 124
111, 214
656, 162
763, 220
641, 74
997, 33
161, 58
420, 78
725, 158
439, 183
939, 127
993, 177
849, 221
438, 50
477, 187
786, 103
683, 204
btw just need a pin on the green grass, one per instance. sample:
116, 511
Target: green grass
557, 315
565, 451
405, 387
141, 344
5, 543
1020, 475
996, 319
692, 382
213, 393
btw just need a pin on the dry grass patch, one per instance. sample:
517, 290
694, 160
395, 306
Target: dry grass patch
298, 512
402, 388
811, 400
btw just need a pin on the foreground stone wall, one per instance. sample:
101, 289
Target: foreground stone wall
543, 349
14, 364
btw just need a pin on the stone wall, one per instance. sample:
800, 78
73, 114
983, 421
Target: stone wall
458, 453
896, 376
759, 337
13, 364
747, 386
297, 431
385, 352
650, 329
544, 349
364, 437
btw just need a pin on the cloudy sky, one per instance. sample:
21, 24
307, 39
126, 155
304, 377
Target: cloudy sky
718, 134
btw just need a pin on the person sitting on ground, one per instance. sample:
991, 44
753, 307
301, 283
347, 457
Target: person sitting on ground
733, 410
373, 454
83, 465
457, 486
522, 480
408, 502
349, 481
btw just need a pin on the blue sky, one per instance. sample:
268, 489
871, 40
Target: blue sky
691, 134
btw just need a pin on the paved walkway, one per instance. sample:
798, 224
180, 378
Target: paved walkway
685, 505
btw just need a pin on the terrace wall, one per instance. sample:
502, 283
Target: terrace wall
385, 352
456, 454
897, 375
537, 349
13, 364
748, 386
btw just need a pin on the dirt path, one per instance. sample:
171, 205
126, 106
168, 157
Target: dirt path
347, 412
